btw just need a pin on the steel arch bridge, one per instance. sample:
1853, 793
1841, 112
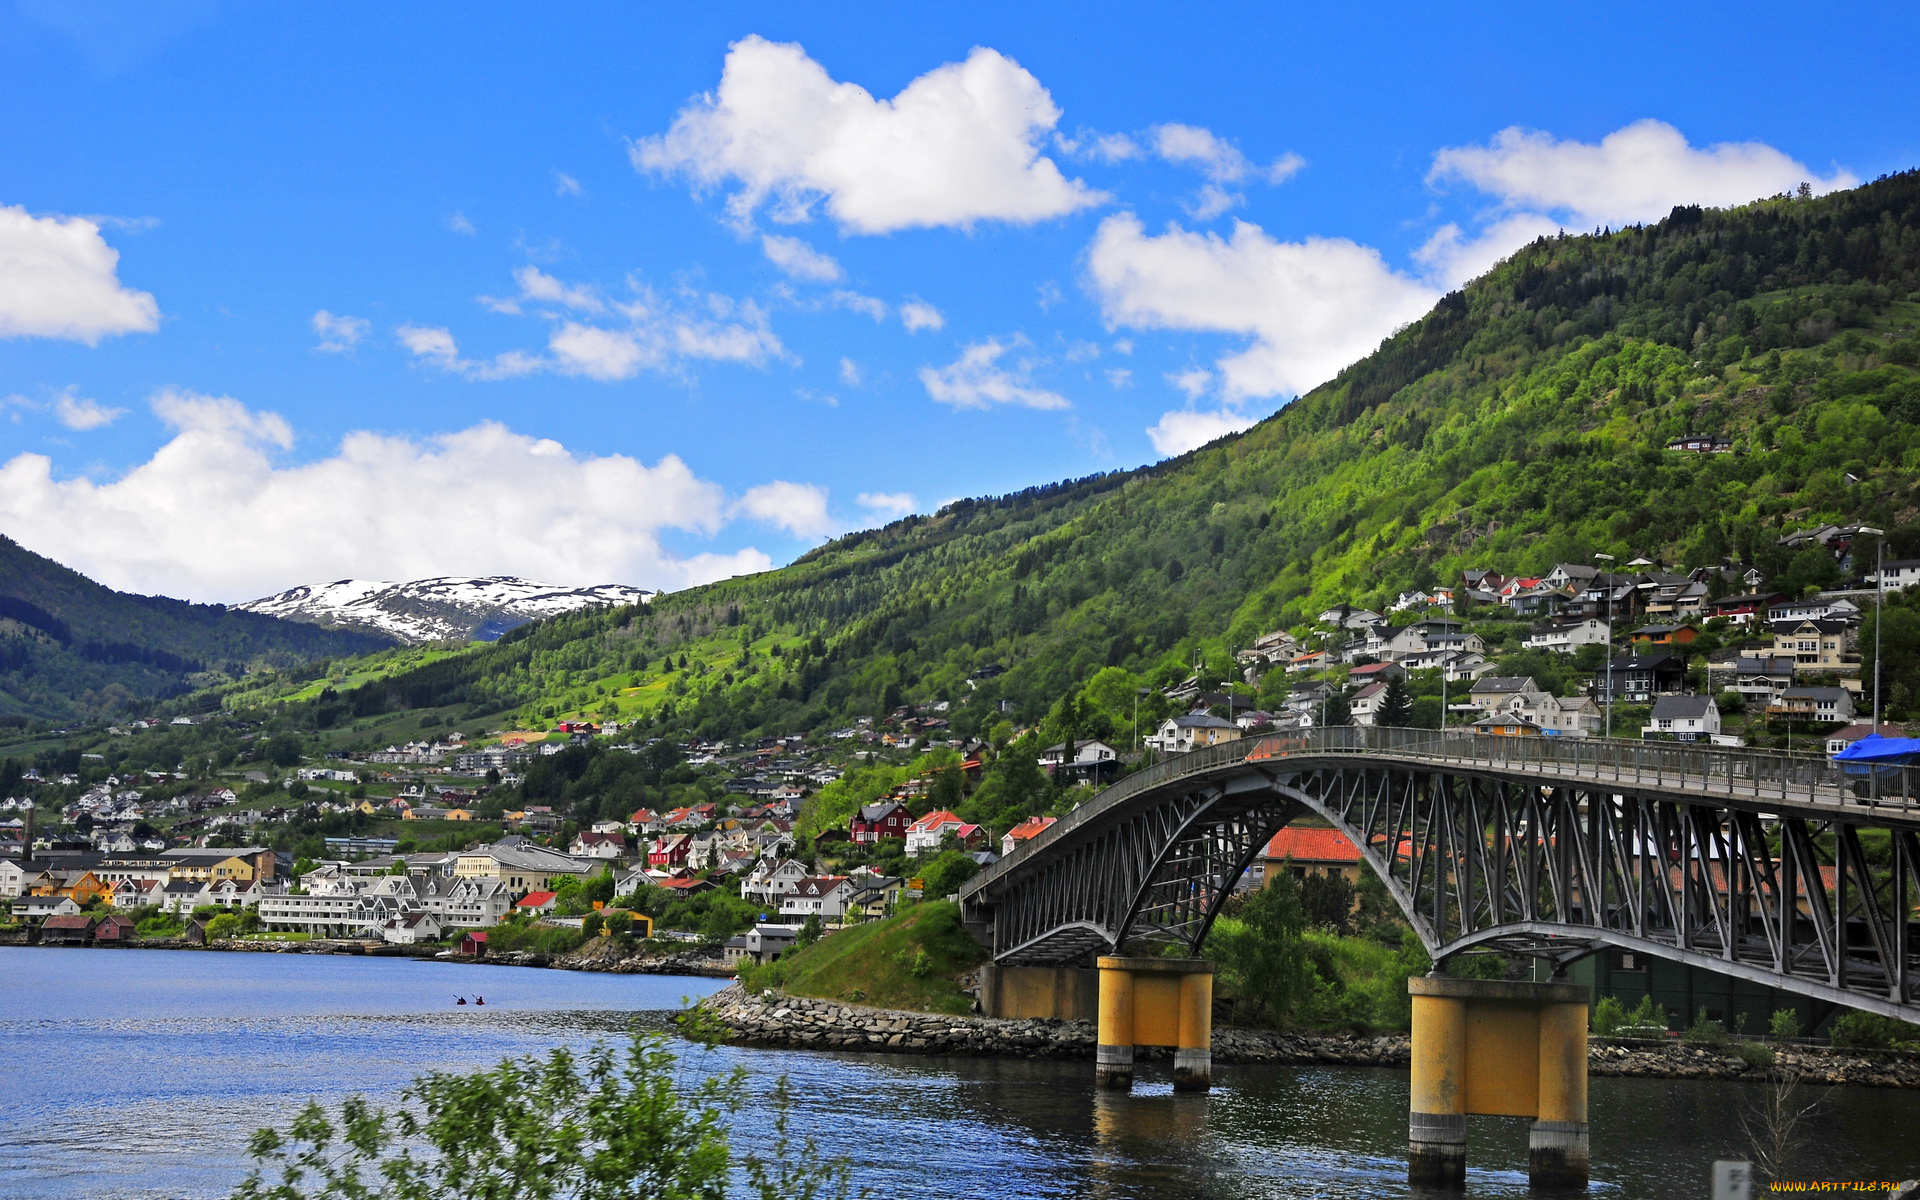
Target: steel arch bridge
1773, 868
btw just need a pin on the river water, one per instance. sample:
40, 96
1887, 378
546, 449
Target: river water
137, 1075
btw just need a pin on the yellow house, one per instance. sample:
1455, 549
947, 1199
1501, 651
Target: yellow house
83, 886
457, 814
213, 865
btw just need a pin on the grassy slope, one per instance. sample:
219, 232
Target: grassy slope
875, 964
1520, 423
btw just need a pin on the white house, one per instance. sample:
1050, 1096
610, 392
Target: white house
1684, 719
826, 897
926, 833
1900, 573
770, 880
1564, 637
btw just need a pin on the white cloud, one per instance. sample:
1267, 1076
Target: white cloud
643, 332
1310, 307
458, 223
1220, 161
866, 306
918, 314
1193, 381
214, 514
68, 406
1637, 173
1183, 429
1119, 377
338, 334
958, 145
80, 414
977, 380
798, 508
893, 505
58, 279
800, 260
850, 373
566, 185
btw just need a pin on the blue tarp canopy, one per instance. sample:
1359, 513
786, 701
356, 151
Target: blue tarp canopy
1875, 749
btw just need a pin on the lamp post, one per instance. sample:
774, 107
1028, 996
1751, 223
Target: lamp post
1611, 681
1879, 612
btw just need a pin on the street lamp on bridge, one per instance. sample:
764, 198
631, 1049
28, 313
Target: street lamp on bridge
1611, 680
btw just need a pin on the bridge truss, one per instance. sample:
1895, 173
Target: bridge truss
1703, 862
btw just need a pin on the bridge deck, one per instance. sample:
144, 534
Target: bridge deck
1804, 784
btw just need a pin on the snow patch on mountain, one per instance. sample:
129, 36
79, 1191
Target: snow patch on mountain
450, 608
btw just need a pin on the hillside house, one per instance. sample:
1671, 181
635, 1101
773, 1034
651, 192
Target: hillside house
1492, 691
1024, 832
1566, 636
1367, 704
1178, 735
1814, 704
1638, 678
926, 833
886, 819
823, 896
598, 845
1745, 608
1898, 573
1092, 761
1817, 646
1306, 851
769, 880
1661, 637
670, 852
1683, 719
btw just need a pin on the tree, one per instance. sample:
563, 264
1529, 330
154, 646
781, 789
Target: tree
1261, 951
598, 1126
1396, 711
1327, 900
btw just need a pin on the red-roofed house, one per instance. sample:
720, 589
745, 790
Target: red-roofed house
685, 887
535, 902
1024, 832
925, 834
1307, 851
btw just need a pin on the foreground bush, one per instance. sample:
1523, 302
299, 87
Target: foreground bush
606, 1125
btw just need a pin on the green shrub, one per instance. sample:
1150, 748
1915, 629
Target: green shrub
1608, 1016
1756, 1055
1705, 1032
1870, 1031
225, 925
1783, 1025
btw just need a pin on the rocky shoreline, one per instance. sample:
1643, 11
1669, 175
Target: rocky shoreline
773, 1019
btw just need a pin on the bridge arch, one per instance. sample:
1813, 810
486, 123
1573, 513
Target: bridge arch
1743, 863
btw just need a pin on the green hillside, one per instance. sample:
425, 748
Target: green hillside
73, 649
1522, 422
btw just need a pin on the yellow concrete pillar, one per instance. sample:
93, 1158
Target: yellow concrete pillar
1155, 1002
1437, 1105
1193, 1052
1557, 1151
1113, 1049
1497, 1047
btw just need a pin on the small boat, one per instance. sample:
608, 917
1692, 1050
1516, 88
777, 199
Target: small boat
461, 1000
479, 999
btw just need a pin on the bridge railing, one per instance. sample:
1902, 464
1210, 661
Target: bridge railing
1723, 770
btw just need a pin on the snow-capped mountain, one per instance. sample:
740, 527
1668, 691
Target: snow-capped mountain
429, 610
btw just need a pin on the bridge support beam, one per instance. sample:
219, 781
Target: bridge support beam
1499, 1048
1155, 1002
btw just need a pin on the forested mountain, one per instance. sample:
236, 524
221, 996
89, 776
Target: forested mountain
1522, 422
71, 648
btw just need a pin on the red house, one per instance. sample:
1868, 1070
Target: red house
473, 945
116, 929
670, 851
888, 818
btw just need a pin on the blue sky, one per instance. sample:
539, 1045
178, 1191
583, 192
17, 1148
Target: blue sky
598, 293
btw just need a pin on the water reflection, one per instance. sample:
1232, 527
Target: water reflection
138, 1077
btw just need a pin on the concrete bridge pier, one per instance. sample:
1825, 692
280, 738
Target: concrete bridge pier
1497, 1048
1155, 1002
